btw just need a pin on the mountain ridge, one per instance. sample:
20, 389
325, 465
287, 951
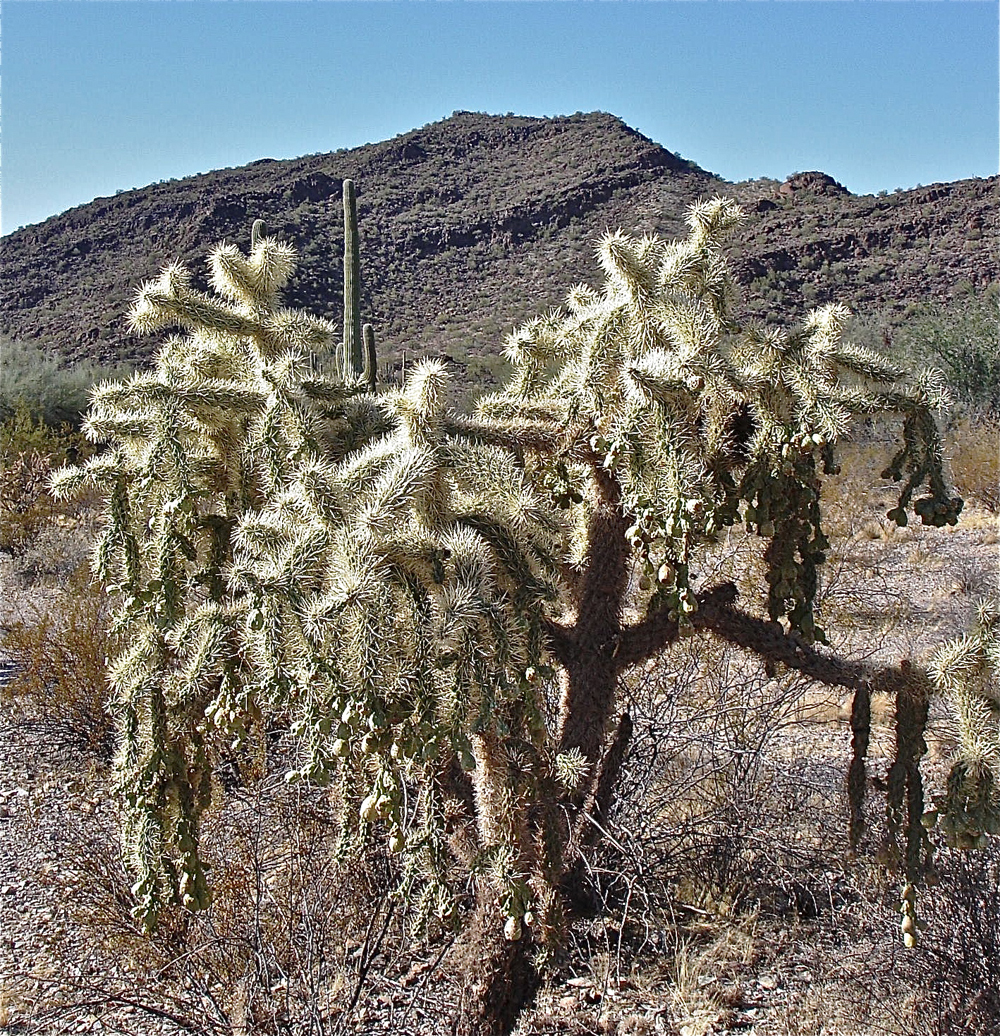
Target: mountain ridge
471, 224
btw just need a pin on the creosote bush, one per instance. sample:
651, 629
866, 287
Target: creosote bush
961, 338
30, 449
435, 605
61, 650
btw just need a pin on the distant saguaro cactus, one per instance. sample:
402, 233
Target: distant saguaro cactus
371, 358
353, 354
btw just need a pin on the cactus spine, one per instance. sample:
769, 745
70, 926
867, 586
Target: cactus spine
353, 355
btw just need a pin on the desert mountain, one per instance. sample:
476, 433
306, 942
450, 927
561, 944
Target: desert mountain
472, 224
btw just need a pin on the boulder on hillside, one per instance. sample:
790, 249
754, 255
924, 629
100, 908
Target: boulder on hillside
815, 182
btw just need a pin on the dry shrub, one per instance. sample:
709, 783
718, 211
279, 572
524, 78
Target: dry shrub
25, 504
974, 453
42, 535
733, 821
858, 495
723, 801
958, 960
948, 985
295, 940
731, 834
60, 648
733, 794
731, 830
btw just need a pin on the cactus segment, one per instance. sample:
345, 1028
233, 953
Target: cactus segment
967, 672
907, 847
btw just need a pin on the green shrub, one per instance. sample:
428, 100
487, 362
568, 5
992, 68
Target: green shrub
24, 431
40, 381
962, 339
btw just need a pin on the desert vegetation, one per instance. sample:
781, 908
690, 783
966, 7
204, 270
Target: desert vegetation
580, 712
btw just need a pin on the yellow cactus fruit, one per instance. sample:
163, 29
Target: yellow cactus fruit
512, 929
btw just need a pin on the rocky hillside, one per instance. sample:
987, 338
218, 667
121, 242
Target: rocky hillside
472, 224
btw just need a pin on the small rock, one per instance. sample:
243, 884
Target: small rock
767, 982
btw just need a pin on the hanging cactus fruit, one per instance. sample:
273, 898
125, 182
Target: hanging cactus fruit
908, 908
512, 929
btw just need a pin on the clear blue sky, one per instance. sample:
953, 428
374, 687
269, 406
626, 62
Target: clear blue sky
104, 96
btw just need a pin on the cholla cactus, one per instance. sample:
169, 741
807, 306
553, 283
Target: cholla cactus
403, 584
698, 417
219, 426
967, 672
421, 564
675, 421
275, 552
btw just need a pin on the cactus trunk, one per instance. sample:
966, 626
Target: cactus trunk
591, 668
495, 975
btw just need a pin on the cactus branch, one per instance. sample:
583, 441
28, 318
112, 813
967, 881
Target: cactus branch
861, 717
905, 796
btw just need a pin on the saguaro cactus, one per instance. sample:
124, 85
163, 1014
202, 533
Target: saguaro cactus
353, 349
371, 357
